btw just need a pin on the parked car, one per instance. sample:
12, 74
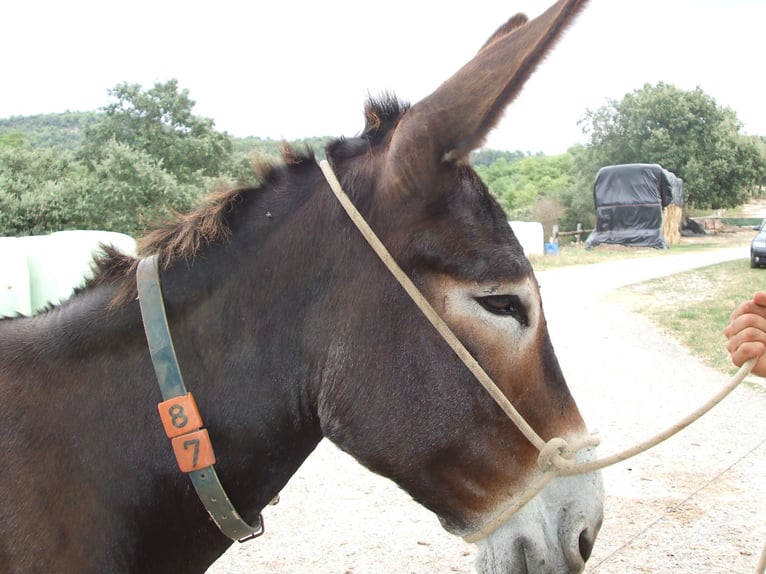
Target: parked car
758, 247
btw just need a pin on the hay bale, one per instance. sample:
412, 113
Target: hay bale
672, 215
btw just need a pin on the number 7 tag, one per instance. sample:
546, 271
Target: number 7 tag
193, 450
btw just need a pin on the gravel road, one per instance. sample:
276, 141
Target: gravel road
695, 504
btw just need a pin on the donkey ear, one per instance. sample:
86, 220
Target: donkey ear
456, 118
512, 23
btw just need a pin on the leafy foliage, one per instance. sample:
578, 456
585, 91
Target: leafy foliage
486, 157
46, 190
35, 188
22, 169
520, 183
577, 199
127, 188
14, 140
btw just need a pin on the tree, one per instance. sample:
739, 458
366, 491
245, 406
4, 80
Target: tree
39, 190
23, 169
127, 189
521, 182
46, 190
13, 140
159, 122
577, 199
488, 156
687, 133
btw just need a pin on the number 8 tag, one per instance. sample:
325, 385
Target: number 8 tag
180, 415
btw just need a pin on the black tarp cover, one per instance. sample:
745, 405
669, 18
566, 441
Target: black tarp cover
629, 201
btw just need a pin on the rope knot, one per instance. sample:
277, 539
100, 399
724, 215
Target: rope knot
555, 455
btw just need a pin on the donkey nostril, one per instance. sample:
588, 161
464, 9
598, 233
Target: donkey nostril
586, 544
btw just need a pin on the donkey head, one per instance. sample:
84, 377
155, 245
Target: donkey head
462, 457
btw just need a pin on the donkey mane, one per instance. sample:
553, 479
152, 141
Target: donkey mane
186, 234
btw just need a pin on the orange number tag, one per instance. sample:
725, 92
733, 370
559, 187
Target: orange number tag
193, 451
180, 415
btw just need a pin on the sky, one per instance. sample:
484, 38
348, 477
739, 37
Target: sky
304, 68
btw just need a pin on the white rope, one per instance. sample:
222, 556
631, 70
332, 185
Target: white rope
695, 415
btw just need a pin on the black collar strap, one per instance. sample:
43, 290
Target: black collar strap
179, 414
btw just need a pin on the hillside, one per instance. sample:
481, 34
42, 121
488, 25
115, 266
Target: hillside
67, 130
63, 130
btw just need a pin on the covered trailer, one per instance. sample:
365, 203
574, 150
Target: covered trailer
629, 201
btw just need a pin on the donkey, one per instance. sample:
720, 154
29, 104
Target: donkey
288, 329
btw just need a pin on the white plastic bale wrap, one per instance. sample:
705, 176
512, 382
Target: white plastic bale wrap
531, 236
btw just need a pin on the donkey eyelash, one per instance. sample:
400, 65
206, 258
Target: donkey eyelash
505, 305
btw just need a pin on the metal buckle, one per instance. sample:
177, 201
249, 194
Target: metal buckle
255, 534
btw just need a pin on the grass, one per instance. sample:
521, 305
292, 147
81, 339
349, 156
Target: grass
578, 255
694, 306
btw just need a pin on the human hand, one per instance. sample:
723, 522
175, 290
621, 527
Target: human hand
746, 333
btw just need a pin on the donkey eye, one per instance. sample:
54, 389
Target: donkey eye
506, 305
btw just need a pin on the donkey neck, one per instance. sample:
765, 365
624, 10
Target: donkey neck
99, 382
250, 384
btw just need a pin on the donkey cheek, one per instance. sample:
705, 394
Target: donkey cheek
492, 471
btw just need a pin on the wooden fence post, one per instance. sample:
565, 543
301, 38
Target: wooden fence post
554, 234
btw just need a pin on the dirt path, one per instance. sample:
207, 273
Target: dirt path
696, 504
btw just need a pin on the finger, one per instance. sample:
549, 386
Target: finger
750, 341
748, 350
750, 333
756, 306
760, 298
744, 322
741, 309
